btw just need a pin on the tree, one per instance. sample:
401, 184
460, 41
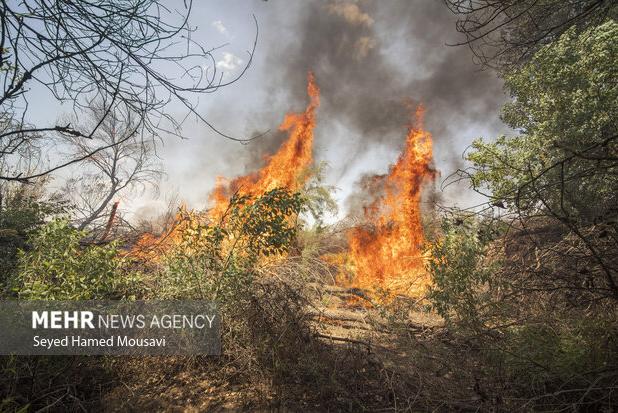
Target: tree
563, 164
117, 53
23, 209
532, 279
506, 33
126, 164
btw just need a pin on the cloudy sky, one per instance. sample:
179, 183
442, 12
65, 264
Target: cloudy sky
370, 59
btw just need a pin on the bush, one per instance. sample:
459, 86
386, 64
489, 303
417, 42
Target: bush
560, 350
217, 260
57, 267
463, 275
22, 210
552, 346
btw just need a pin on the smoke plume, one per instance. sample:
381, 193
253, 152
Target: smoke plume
374, 61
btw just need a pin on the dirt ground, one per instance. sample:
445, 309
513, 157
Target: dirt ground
370, 362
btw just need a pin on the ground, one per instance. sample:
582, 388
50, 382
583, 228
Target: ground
367, 361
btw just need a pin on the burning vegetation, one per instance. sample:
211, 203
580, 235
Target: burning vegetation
284, 169
385, 252
388, 251
384, 310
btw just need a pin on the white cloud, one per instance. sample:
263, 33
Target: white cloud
218, 24
229, 62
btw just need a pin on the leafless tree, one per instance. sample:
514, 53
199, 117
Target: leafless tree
506, 33
127, 164
131, 56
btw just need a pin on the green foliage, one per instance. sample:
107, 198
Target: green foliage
216, 261
568, 94
22, 210
57, 267
565, 107
462, 274
538, 352
526, 299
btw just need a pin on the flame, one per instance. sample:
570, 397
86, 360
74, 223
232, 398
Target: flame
284, 169
388, 253
150, 247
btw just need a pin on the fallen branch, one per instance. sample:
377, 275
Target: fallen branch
344, 339
331, 315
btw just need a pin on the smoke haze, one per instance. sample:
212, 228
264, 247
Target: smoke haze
373, 61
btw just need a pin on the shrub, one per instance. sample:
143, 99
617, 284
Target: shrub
22, 210
217, 260
462, 273
57, 267
535, 334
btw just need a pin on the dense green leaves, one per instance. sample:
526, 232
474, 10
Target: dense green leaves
568, 93
565, 108
57, 267
216, 260
22, 210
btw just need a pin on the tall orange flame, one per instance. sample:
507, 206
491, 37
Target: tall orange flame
285, 168
390, 254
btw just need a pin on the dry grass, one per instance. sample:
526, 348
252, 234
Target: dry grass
299, 342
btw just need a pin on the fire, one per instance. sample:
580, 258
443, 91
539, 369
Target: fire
284, 169
150, 247
389, 254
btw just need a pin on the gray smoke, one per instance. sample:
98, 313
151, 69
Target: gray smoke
372, 57
373, 61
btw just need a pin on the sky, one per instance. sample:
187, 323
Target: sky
373, 61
